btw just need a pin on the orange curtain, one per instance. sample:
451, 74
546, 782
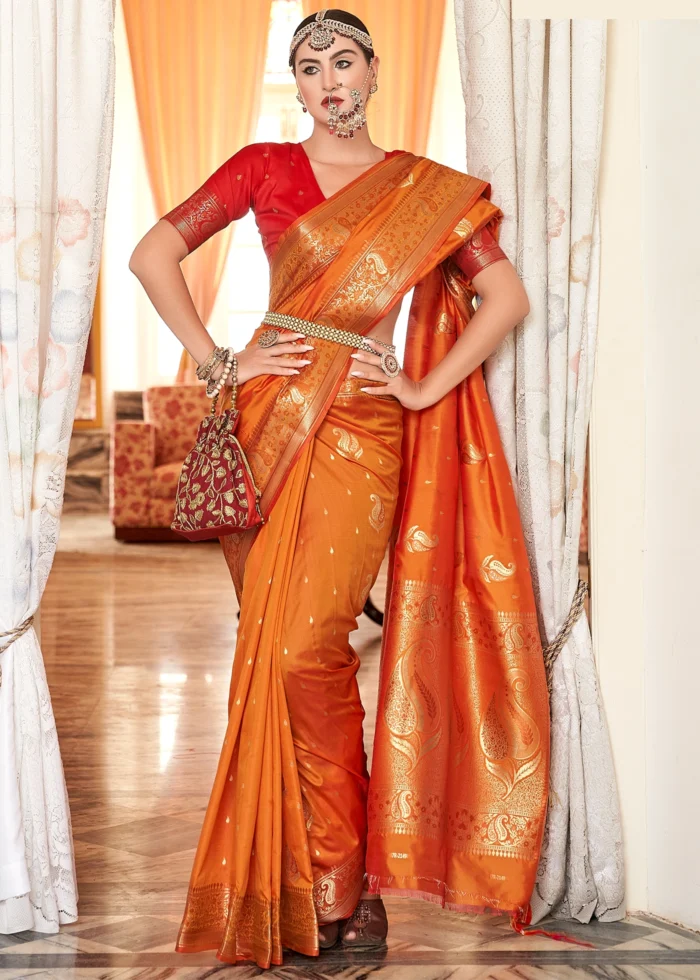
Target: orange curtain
406, 36
198, 68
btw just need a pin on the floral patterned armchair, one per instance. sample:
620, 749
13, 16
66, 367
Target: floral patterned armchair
146, 457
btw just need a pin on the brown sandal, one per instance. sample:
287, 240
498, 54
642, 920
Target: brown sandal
328, 933
370, 923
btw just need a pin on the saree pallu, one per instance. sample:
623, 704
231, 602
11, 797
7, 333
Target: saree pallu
456, 800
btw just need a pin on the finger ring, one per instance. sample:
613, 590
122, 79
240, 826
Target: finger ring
389, 363
268, 338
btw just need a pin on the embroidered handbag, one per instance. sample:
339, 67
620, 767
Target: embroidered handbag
216, 493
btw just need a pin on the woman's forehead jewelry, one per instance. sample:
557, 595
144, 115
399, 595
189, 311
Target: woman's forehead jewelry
321, 34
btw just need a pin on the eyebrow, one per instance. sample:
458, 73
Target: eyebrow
336, 54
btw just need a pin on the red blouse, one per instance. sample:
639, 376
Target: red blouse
277, 181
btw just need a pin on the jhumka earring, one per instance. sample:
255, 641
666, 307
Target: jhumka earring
300, 99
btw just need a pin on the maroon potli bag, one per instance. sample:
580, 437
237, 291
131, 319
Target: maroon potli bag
216, 493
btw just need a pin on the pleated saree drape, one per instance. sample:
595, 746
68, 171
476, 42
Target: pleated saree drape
456, 799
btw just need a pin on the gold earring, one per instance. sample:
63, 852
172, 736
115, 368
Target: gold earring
300, 99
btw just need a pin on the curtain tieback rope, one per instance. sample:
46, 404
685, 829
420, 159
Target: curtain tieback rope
552, 650
6, 639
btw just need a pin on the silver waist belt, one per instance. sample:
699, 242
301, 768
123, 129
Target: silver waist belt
288, 322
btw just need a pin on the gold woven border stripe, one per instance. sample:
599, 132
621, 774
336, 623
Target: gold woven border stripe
288, 322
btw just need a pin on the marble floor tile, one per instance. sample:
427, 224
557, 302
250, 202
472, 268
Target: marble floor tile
140, 704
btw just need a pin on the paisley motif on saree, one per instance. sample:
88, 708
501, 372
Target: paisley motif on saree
458, 793
458, 786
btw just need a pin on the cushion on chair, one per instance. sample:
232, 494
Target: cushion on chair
162, 512
164, 481
176, 411
131, 453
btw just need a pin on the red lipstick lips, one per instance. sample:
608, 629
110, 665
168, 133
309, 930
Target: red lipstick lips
336, 99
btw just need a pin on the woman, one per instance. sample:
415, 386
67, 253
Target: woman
353, 453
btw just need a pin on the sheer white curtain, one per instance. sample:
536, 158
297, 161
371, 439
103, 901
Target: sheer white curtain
56, 106
534, 94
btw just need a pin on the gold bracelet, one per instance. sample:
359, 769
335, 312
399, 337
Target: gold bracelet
212, 392
214, 387
212, 381
234, 363
204, 371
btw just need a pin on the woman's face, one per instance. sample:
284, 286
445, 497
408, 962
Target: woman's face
332, 73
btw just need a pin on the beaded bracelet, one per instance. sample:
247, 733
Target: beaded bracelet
224, 354
205, 370
234, 383
214, 387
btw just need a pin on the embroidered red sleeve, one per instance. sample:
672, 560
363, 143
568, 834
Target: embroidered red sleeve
224, 197
480, 251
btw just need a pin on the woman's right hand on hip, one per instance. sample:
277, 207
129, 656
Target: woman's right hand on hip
255, 360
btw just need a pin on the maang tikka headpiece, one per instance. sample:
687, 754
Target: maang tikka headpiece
320, 33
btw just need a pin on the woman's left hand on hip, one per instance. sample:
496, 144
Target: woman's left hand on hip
402, 387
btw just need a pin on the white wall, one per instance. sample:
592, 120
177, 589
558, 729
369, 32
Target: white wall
617, 451
645, 456
670, 155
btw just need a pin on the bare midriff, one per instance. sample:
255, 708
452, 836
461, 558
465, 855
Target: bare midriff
383, 330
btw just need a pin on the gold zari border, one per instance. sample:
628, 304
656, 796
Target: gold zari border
244, 927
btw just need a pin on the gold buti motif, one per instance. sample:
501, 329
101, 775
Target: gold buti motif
445, 323
366, 588
427, 611
509, 738
418, 540
290, 866
412, 711
401, 808
378, 263
295, 395
336, 892
499, 633
348, 443
464, 228
339, 232
376, 518
427, 205
308, 814
493, 570
471, 454
513, 639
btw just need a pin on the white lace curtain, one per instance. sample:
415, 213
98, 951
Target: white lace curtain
534, 94
56, 112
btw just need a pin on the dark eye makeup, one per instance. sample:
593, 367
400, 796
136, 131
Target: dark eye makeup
342, 63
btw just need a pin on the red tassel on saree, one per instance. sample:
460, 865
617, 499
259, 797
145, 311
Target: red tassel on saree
456, 800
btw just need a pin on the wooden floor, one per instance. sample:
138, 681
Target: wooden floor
138, 643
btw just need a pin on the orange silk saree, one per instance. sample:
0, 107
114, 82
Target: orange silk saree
454, 808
